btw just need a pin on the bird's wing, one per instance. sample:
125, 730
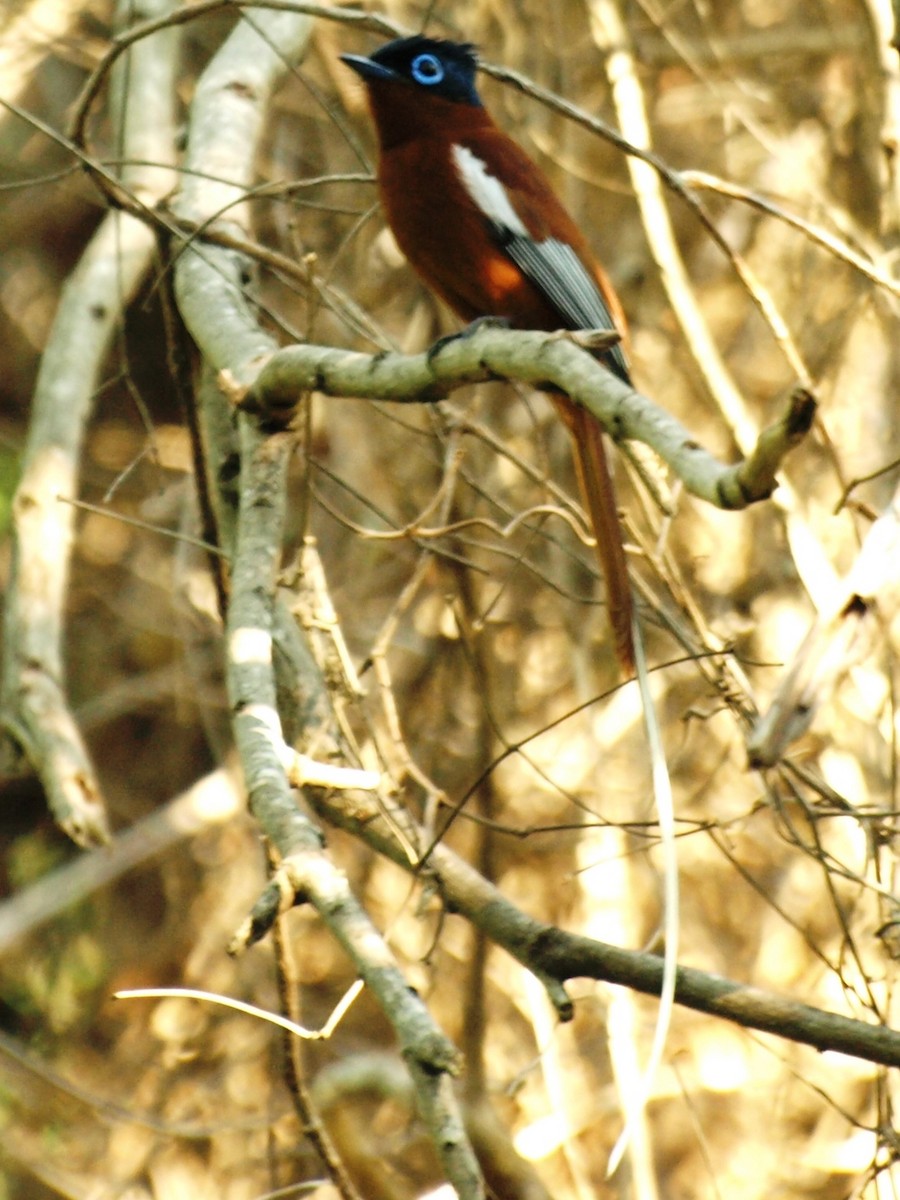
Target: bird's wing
516, 211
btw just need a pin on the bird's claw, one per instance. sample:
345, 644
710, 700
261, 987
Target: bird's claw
472, 327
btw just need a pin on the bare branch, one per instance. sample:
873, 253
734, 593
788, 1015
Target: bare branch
538, 358
35, 707
306, 873
556, 956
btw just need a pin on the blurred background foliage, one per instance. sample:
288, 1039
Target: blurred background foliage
494, 645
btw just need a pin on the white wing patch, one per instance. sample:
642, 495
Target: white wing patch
487, 191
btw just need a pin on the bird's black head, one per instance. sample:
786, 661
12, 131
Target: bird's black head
445, 69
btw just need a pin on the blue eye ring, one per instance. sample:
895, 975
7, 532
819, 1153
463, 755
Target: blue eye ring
427, 69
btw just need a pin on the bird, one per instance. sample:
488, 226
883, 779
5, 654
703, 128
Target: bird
481, 225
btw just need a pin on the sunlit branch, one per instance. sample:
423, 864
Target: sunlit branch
542, 359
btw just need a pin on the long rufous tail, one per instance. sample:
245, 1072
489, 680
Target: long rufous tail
599, 497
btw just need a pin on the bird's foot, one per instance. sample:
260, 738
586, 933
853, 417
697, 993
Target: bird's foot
472, 327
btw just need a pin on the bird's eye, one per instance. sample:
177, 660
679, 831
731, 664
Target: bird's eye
427, 69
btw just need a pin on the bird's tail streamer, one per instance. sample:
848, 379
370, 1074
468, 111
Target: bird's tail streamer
599, 497
665, 810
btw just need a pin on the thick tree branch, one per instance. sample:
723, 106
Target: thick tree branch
35, 708
306, 873
488, 352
